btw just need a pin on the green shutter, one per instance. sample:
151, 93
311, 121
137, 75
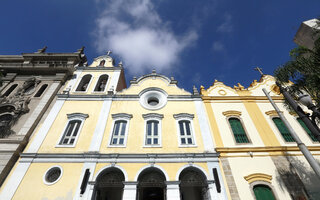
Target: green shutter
283, 129
263, 192
238, 131
307, 130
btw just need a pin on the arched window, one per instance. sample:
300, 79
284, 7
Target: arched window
41, 90
8, 92
193, 184
283, 129
313, 138
151, 184
238, 130
109, 185
263, 192
84, 83
102, 83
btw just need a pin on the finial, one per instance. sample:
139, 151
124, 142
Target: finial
109, 52
120, 64
260, 70
42, 50
154, 71
195, 90
80, 50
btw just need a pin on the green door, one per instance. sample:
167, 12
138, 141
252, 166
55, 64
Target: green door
263, 192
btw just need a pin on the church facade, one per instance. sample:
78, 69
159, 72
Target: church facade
259, 157
102, 140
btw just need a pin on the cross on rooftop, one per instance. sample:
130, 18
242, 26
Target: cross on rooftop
109, 52
259, 69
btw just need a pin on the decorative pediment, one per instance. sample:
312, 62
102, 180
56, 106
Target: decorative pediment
230, 113
258, 177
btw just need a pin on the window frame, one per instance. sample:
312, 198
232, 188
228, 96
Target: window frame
313, 141
152, 117
265, 183
95, 85
80, 79
44, 91
72, 117
244, 128
119, 117
185, 117
281, 136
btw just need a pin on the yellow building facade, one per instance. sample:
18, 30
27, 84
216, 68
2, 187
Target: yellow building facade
102, 140
257, 153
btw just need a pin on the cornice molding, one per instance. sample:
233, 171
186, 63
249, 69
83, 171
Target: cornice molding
258, 177
240, 98
262, 149
121, 115
183, 115
231, 113
272, 113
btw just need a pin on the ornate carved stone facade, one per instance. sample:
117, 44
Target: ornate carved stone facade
29, 83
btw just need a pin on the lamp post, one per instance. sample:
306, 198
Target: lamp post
303, 148
305, 100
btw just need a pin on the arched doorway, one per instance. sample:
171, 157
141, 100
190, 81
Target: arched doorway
193, 185
151, 185
109, 185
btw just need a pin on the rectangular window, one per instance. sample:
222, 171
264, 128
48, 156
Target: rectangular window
70, 133
238, 131
313, 138
186, 137
119, 132
283, 129
152, 133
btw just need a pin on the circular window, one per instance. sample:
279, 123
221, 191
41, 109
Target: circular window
153, 99
52, 175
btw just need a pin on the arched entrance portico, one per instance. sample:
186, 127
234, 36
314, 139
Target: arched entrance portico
193, 185
151, 185
109, 185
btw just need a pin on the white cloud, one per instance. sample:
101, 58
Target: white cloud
134, 30
218, 46
226, 26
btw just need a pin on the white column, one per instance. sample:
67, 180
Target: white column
204, 127
173, 191
14, 181
129, 191
114, 80
42, 133
91, 166
100, 126
212, 187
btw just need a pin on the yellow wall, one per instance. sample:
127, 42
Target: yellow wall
137, 125
34, 187
92, 108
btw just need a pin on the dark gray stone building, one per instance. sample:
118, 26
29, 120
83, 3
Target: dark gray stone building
29, 83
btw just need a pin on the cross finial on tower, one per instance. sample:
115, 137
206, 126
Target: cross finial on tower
109, 52
259, 70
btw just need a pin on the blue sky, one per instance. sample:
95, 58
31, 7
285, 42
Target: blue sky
194, 41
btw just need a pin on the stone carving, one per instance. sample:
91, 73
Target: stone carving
13, 106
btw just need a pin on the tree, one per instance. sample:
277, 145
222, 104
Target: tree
303, 70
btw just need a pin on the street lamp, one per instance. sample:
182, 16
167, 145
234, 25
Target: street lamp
305, 100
